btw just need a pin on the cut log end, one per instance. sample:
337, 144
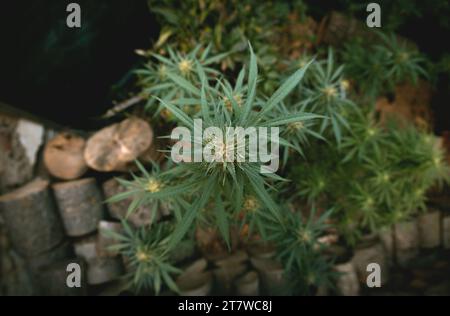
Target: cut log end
115, 146
64, 156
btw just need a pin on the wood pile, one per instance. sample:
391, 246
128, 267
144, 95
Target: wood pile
61, 216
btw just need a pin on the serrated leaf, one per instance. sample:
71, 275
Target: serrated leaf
222, 221
183, 117
183, 83
252, 80
285, 89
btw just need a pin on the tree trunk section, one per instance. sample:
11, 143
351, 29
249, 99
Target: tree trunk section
103, 270
80, 205
406, 241
347, 283
115, 147
52, 280
31, 218
430, 230
64, 156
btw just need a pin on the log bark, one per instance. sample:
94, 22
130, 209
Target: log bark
196, 267
446, 232
114, 147
103, 270
142, 216
52, 280
248, 284
238, 257
430, 229
347, 283
62, 251
406, 241
386, 236
229, 269
31, 218
261, 250
198, 284
101, 267
15, 279
373, 253
64, 156
226, 275
195, 280
271, 274
18, 145
80, 205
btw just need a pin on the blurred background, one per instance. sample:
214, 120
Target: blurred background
70, 98
71, 76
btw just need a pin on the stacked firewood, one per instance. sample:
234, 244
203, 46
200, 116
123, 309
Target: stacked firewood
395, 246
247, 271
60, 220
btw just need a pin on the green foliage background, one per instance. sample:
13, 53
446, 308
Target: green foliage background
343, 169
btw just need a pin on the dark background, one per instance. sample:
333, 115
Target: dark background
70, 76
426, 23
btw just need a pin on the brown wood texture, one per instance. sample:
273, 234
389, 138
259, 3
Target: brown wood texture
52, 280
116, 146
64, 156
80, 203
31, 218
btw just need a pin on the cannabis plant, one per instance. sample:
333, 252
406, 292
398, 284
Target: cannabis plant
220, 180
402, 61
379, 176
324, 92
161, 74
220, 189
149, 182
301, 252
228, 26
377, 67
364, 137
297, 133
146, 256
